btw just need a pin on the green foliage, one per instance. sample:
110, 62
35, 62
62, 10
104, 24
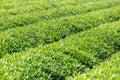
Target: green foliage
61, 59
59, 39
15, 40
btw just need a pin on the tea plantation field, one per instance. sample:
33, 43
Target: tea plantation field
59, 39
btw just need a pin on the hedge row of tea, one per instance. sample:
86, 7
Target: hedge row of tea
78, 52
15, 19
17, 39
38, 4
108, 70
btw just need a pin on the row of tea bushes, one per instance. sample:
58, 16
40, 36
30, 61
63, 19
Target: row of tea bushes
108, 70
17, 39
39, 4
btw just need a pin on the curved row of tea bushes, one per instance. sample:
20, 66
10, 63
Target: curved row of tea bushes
22, 6
31, 69
78, 9
17, 39
108, 70
59, 59
37, 15
42, 4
